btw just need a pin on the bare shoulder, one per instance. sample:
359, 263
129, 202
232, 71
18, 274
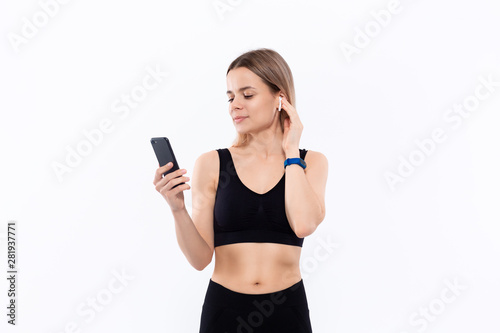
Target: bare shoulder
316, 158
209, 156
207, 166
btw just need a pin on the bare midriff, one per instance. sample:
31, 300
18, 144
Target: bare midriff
257, 268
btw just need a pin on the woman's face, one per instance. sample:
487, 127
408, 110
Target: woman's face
251, 98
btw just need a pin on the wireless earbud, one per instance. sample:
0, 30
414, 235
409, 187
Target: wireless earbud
279, 108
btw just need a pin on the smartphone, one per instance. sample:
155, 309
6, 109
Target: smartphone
165, 154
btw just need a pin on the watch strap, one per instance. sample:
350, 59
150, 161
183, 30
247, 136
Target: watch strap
295, 160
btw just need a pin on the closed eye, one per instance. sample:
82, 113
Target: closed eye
231, 99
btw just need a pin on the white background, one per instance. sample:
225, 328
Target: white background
396, 251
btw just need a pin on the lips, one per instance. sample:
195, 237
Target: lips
239, 119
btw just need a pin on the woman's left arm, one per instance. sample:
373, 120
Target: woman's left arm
305, 192
304, 188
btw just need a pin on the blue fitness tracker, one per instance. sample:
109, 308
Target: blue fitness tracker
295, 160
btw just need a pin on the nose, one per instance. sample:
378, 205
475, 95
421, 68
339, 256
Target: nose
235, 105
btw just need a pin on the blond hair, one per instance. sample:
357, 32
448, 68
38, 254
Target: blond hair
270, 66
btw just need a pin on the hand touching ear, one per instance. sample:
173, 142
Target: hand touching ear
292, 127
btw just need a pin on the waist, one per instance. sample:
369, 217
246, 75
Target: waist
257, 267
219, 295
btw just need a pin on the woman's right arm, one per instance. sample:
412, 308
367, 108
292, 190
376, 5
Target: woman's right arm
194, 236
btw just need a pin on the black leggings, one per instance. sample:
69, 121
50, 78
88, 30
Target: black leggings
227, 311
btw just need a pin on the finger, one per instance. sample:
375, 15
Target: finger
176, 181
167, 166
160, 171
180, 188
170, 177
158, 175
291, 111
287, 104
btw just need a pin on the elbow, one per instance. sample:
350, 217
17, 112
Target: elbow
304, 230
202, 264
199, 267
308, 226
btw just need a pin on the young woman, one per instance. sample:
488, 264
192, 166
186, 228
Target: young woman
253, 204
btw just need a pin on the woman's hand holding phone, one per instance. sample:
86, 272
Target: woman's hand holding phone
165, 184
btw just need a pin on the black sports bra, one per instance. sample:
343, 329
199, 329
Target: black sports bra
242, 215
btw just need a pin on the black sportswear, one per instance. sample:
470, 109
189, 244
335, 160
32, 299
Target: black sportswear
242, 215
